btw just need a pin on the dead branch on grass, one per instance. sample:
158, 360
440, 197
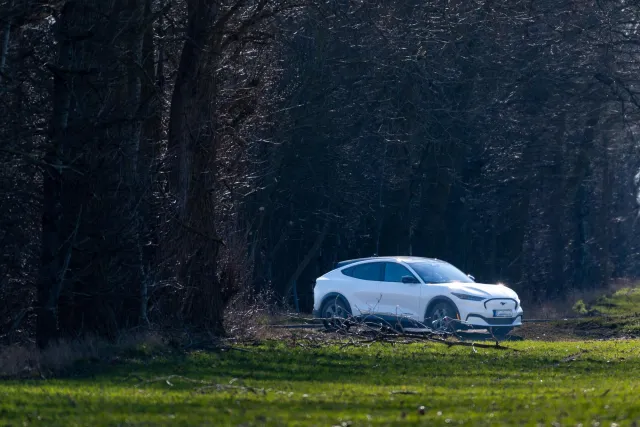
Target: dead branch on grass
373, 329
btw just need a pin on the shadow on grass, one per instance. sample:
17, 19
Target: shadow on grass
171, 405
376, 365
229, 409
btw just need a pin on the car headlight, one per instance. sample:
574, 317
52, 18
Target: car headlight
468, 297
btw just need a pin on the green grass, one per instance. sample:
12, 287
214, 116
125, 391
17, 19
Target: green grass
273, 384
612, 315
623, 302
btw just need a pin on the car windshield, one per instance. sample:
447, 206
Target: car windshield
439, 272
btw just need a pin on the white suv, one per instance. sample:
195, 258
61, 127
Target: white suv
414, 289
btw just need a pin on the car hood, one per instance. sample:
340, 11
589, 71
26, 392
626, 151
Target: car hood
484, 290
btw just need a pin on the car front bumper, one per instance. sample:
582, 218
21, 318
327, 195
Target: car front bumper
482, 314
480, 320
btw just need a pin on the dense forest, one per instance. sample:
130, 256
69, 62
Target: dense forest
159, 158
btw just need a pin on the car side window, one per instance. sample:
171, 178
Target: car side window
368, 271
348, 271
394, 272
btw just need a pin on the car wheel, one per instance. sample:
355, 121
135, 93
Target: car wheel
436, 315
500, 333
333, 311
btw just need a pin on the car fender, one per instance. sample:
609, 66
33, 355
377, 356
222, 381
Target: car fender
332, 295
440, 298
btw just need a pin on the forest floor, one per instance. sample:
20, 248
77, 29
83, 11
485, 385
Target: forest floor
562, 373
608, 316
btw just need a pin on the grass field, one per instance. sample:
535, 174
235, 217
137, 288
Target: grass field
554, 377
276, 383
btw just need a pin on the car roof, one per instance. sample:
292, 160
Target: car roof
386, 258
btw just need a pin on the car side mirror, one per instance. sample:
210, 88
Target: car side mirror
409, 279
471, 277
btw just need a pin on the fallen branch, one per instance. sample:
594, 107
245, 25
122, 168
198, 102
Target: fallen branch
412, 339
366, 332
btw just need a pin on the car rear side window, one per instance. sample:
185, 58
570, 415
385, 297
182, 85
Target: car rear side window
348, 271
368, 271
394, 272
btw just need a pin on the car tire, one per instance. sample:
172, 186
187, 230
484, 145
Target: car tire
500, 333
333, 311
437, 313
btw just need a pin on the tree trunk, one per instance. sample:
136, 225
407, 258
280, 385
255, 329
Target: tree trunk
578, 187
139, 11
192, 151
151, 93
50, 280
604, 227
555, 212
4, 49
188, 115
524, 242
317, 244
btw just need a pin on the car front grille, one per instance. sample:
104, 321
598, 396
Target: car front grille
500, 304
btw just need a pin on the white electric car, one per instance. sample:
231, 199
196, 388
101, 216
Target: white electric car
422, 290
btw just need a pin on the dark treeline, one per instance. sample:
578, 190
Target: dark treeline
160, 157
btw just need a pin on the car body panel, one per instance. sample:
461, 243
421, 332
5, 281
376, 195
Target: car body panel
398, 299
500, 305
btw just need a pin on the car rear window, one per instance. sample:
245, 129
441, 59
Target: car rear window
348, 271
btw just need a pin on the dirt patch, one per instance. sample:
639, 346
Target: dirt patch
598, 328
547, 331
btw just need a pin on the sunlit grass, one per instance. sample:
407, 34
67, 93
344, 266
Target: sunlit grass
616, 314
622, 302
273, 384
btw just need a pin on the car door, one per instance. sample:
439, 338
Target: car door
364, 287
398, 298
